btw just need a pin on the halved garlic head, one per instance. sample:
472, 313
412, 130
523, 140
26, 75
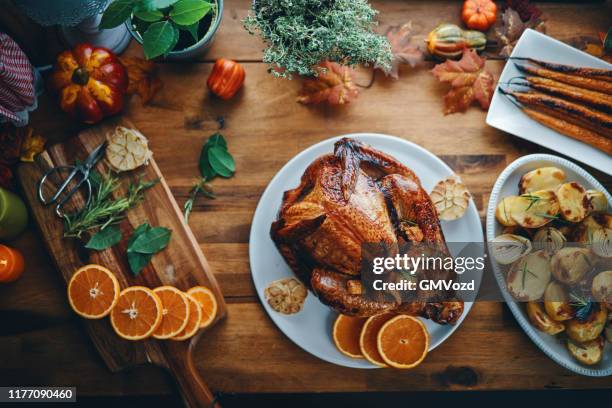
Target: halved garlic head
549, 239
508, 248
127, 149
286, 295
601, 242
451, 198
598, 200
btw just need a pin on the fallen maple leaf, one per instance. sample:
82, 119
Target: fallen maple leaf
510, 27
600, 47
143, 78
526, 10
403, 51
31, 145
335, 84
469, 81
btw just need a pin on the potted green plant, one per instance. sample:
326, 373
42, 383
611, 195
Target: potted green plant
300, 34
174, 29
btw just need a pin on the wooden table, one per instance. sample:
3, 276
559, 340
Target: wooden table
42, 341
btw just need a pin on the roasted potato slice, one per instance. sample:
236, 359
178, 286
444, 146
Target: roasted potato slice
602, 287
573, 202
502, 212
569, 265
584, 230
590, 328
528, 277
598, 200
535, 209
556, 302
589, 353
543, 178
541, 320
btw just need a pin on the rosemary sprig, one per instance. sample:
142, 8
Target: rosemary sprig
200, 187
103, 210
556, 217
582, 306
533, 199
525, 272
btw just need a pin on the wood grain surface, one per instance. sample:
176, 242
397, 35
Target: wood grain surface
265, 127
181, 264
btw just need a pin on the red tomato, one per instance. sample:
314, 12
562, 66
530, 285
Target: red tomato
91, 82
226, 78
479, 14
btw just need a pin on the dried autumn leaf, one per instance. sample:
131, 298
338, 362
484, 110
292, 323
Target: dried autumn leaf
6, 176
143, 78
596, 46
526, 10
32, 145
335, 85
403, 51
469, 81
510, 27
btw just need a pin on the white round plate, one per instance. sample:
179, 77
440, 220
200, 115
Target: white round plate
311, 328
506, 185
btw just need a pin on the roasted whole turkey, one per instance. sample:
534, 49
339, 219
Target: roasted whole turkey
355, 196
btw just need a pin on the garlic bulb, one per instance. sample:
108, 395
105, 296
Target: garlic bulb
601, 242
508, 248
127, 149
598, 200
451, 198
549, 239
286, 295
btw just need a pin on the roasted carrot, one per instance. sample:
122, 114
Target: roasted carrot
573, 120
600, 73
595, 99
569, 129
582, 82
594, 120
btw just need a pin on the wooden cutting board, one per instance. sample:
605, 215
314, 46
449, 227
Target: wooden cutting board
181, 264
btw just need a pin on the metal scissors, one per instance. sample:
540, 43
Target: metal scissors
80, 169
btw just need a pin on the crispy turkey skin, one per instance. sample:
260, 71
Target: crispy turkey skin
354, 196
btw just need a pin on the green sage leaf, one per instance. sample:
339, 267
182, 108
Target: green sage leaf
117, 13
138, 261
142, 228
151, 241
150, 16
217, 139
221, 161
187, 12
206, 171
159, 38
105, 238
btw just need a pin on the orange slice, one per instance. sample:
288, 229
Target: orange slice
403, 342
137, 314
93, 291
175, 312
207, 300
346, 332
193, 324
368, 340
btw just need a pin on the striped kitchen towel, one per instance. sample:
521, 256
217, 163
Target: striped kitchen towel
17, 91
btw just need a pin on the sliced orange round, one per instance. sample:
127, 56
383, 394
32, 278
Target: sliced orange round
137, 314
93, 291
403, 342
368, 340
193, 324
346, 332
175, 312
207, 300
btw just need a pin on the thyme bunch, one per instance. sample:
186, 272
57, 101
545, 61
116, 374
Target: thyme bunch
300, 34
103, 210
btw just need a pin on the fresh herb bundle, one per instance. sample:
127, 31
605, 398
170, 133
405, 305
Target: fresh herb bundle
103, 210
302, 33
215, 160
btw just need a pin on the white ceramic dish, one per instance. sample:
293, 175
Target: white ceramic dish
507, 117
506, 185
311, 328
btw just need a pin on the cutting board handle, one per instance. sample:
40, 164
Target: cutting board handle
194, 390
